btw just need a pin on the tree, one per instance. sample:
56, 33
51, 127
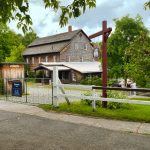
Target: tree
8, 39
147, 5
138, 68
19, 10
126, 32
28, 38
16, 54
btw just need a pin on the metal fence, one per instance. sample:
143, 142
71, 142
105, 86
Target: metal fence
34, 90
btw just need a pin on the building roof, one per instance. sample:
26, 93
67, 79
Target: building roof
13, 63
50, 68
82, 67
66, 36
51, 44
44, 49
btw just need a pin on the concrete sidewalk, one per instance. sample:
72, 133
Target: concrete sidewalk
135, 127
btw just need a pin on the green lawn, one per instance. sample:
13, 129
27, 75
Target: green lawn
140, 98
130, 112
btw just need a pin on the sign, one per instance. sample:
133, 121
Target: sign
14, 66
17, 88
96, 52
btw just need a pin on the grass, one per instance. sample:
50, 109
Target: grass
130, 112
140, 98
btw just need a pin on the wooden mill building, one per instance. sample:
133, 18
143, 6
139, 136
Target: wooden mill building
71, 46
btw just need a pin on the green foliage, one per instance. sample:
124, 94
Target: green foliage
31, 74
8, 39
12, 44
39, 74
89, 102
112, 82
28, 38
125, 47
138, 68
116, 95
16, 54
147, 5
92, 81
19, 10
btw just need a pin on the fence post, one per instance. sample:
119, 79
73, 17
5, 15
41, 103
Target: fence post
55, 86
26, 90
6, 90
93, 102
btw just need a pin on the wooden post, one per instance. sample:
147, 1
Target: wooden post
104, 62
55, 86
93, 102
105, 33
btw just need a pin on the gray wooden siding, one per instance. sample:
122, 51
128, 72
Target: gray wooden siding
77, 54
42, 59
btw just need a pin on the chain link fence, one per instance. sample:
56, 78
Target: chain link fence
34, 90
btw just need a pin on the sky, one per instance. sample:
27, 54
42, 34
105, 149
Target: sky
46, 21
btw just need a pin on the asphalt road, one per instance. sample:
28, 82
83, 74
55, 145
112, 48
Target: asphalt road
26, 132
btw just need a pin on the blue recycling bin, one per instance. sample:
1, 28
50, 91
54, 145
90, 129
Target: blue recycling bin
17, 88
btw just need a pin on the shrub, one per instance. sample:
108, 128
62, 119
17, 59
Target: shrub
39, 74
92, 81
89, 102
117, 95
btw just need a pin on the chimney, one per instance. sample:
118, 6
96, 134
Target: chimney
69, 28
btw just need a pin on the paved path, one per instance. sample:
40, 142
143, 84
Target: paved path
134, 127
26, 132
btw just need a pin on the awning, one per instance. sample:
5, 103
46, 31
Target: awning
50, 68
82, 67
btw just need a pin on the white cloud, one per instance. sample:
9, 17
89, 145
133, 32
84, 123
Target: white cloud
45, 22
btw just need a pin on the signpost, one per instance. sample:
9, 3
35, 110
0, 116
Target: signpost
17, 88
105, 33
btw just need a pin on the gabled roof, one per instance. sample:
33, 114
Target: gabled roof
66, 36
51, 44
50, 68
44, 49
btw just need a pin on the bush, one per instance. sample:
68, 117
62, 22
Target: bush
110, 94
117, 95
92, 81
113, 82
89, 102
39, 74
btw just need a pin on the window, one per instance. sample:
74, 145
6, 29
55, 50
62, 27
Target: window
85, 46
46, 59
54, 58
27, 60
39, 59
32, 60
76, 46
